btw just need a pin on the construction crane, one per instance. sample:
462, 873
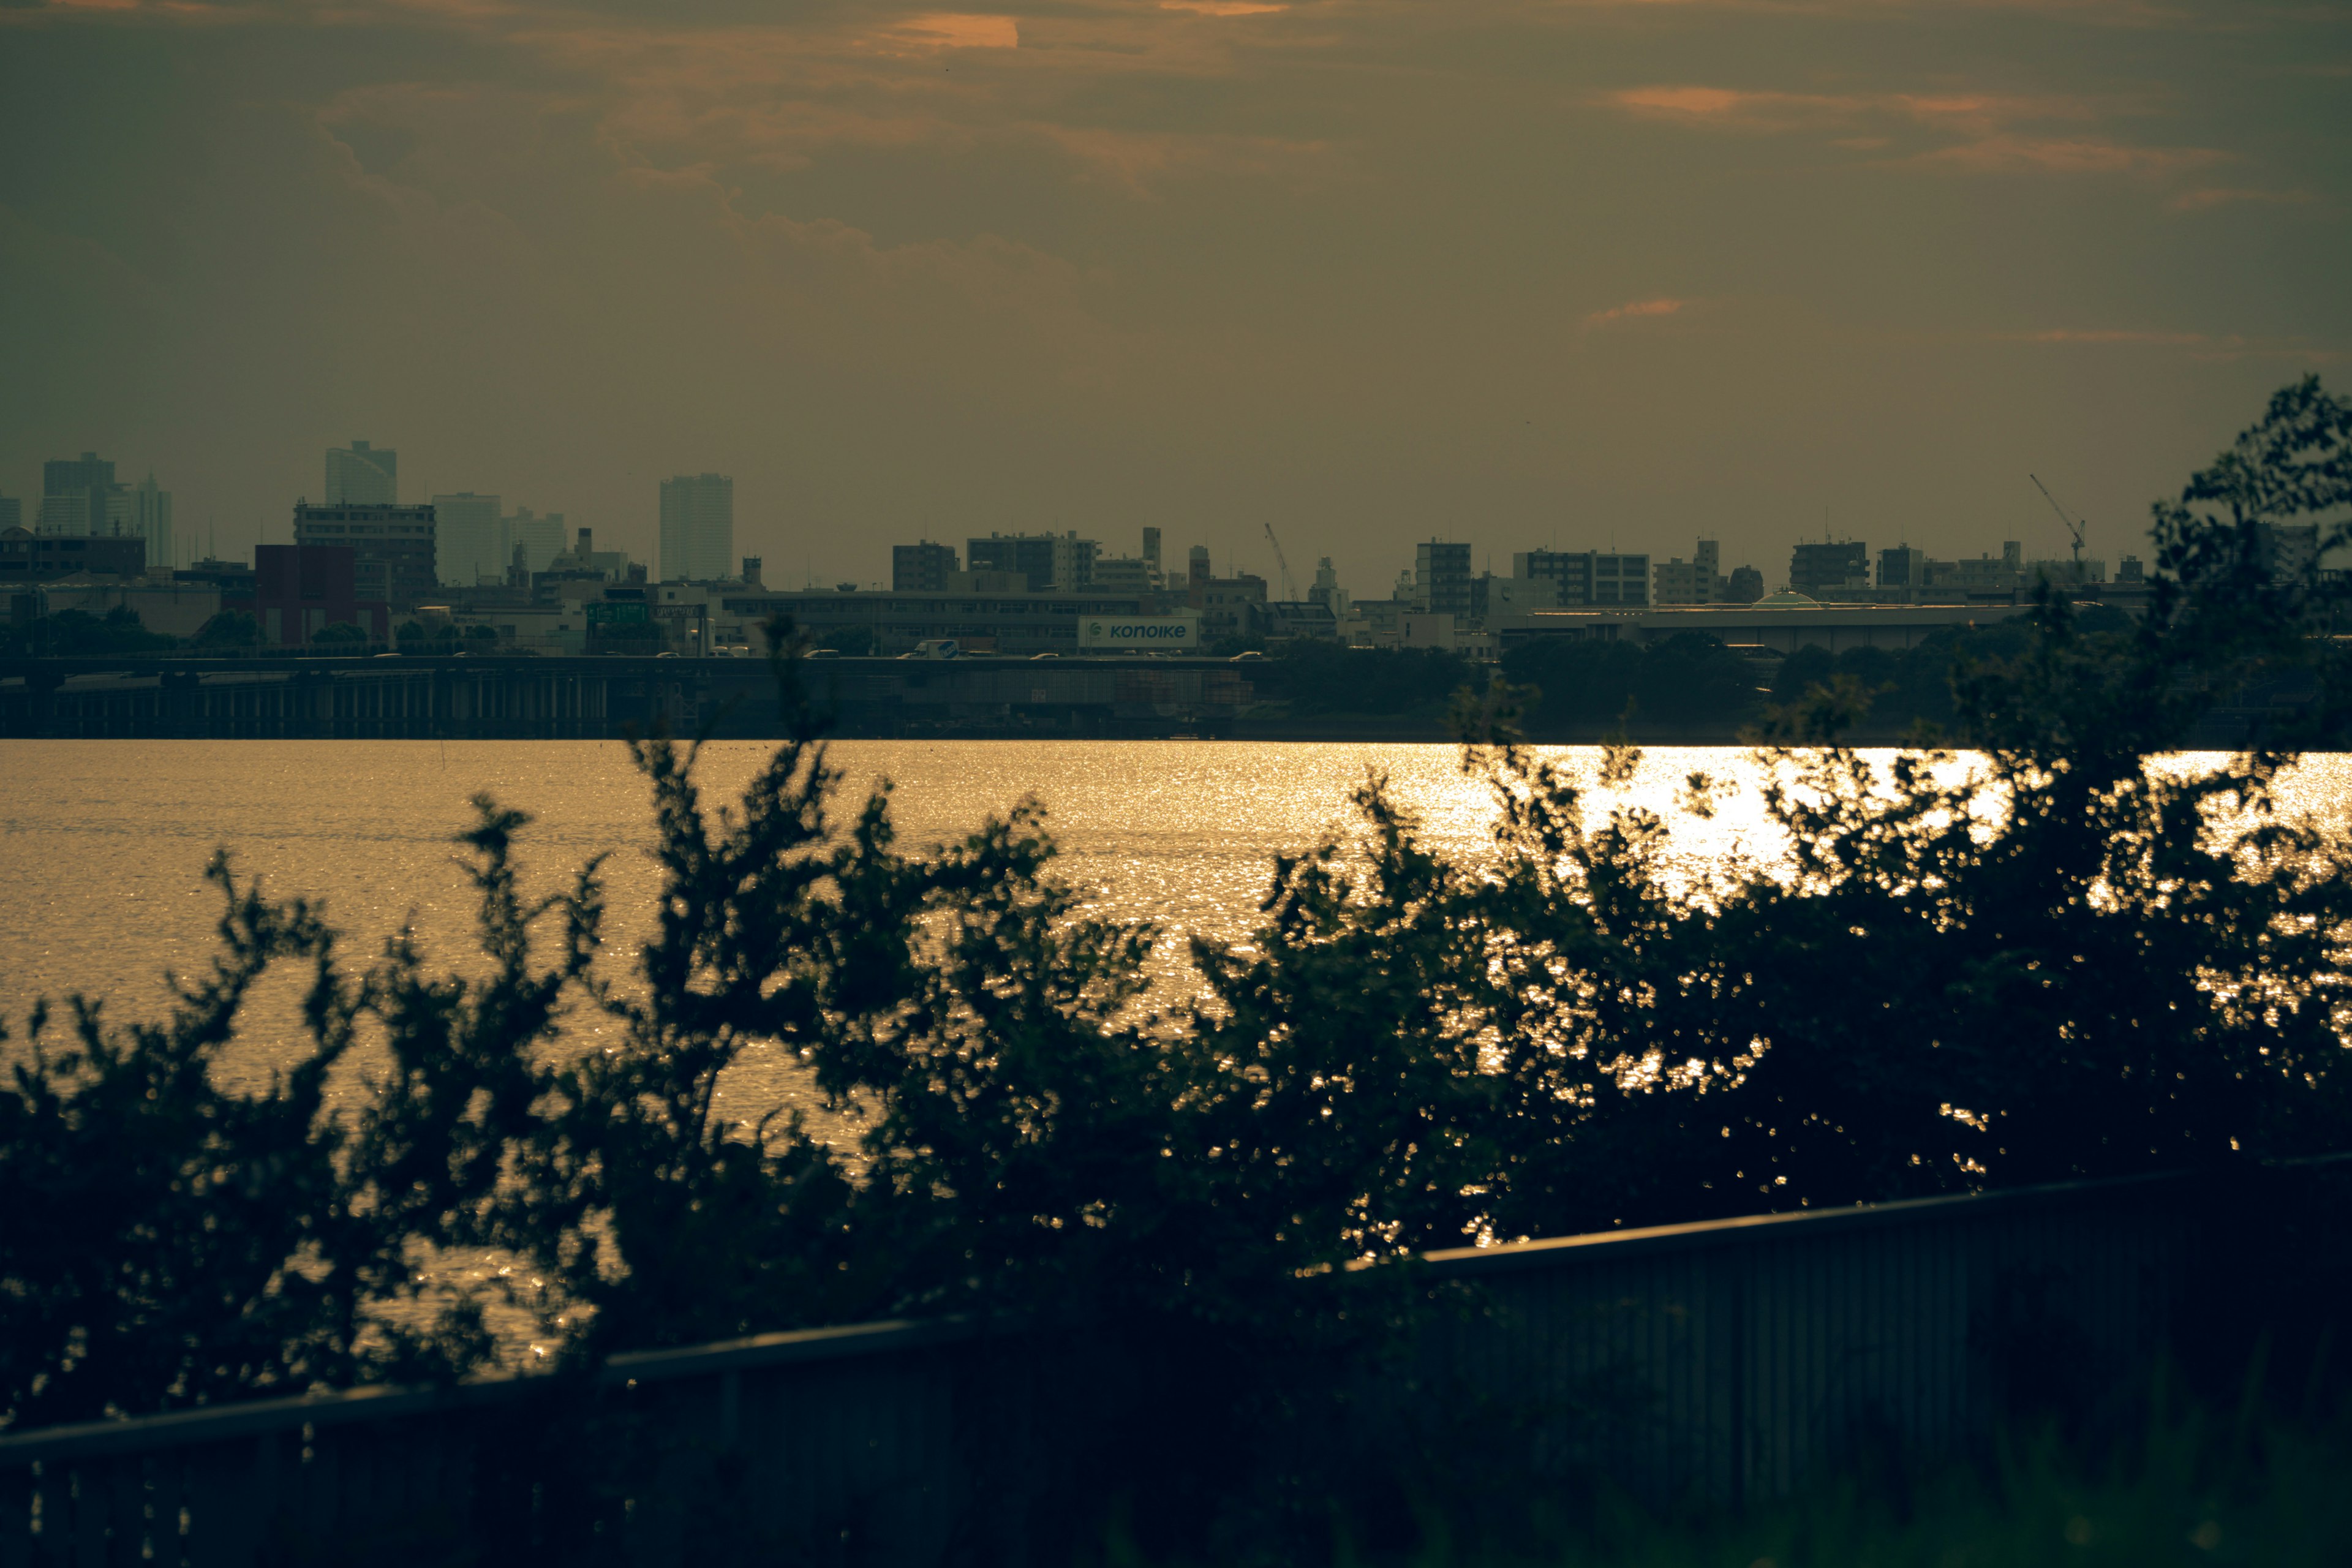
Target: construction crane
1289, 586
2073, 526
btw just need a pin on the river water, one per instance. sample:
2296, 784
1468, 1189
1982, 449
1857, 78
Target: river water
103, 843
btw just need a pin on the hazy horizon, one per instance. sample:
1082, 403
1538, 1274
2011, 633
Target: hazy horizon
1523, 274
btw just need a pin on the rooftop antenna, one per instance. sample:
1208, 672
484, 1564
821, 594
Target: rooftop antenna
2073, 526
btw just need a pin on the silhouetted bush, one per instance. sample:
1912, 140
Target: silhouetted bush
1580, 687
1321, 679
230, 630
69, 633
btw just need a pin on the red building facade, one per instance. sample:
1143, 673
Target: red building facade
301, 590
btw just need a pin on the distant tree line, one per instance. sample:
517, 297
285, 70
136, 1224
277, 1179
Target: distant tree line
1319, 680
2071, 958
71, 632
1689, 684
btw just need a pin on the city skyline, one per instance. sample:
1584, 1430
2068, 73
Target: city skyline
476, 538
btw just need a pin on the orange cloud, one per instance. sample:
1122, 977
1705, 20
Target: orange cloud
2200, 200
1222, 7
1726, 106
1984, 132
1977, 113
1135, 160
1635, 310
959, 30
2077, 155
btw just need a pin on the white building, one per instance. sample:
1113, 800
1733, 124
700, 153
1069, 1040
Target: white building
698, 528
361, 475
470, 539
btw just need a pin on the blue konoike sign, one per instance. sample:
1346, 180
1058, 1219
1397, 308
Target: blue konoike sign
1139, 631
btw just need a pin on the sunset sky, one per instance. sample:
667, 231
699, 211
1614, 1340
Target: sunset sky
1523, 274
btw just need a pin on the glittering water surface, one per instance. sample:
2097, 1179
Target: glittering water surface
102, 843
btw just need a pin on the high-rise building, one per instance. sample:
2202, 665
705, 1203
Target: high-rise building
540, 537
12, 512
1744, 586
1902, 567
1122, 575
698, 528
392, 547
1588, 576
78, 487
1228, 605
1441, 579
1196, 565
470, 539
361, 475
921, 568
1621, 578
1698, 581
1128, 574
144, 511
1844, 563
1052, 562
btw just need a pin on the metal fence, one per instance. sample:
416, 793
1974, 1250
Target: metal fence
1726, 1359
1722, 1360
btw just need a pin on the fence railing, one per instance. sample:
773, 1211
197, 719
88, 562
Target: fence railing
1721, 1359
1727, 1358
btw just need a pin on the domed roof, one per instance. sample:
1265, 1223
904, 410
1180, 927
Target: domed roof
1787, 599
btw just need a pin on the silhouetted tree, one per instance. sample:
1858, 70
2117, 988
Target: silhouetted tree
229, 630
338, 635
